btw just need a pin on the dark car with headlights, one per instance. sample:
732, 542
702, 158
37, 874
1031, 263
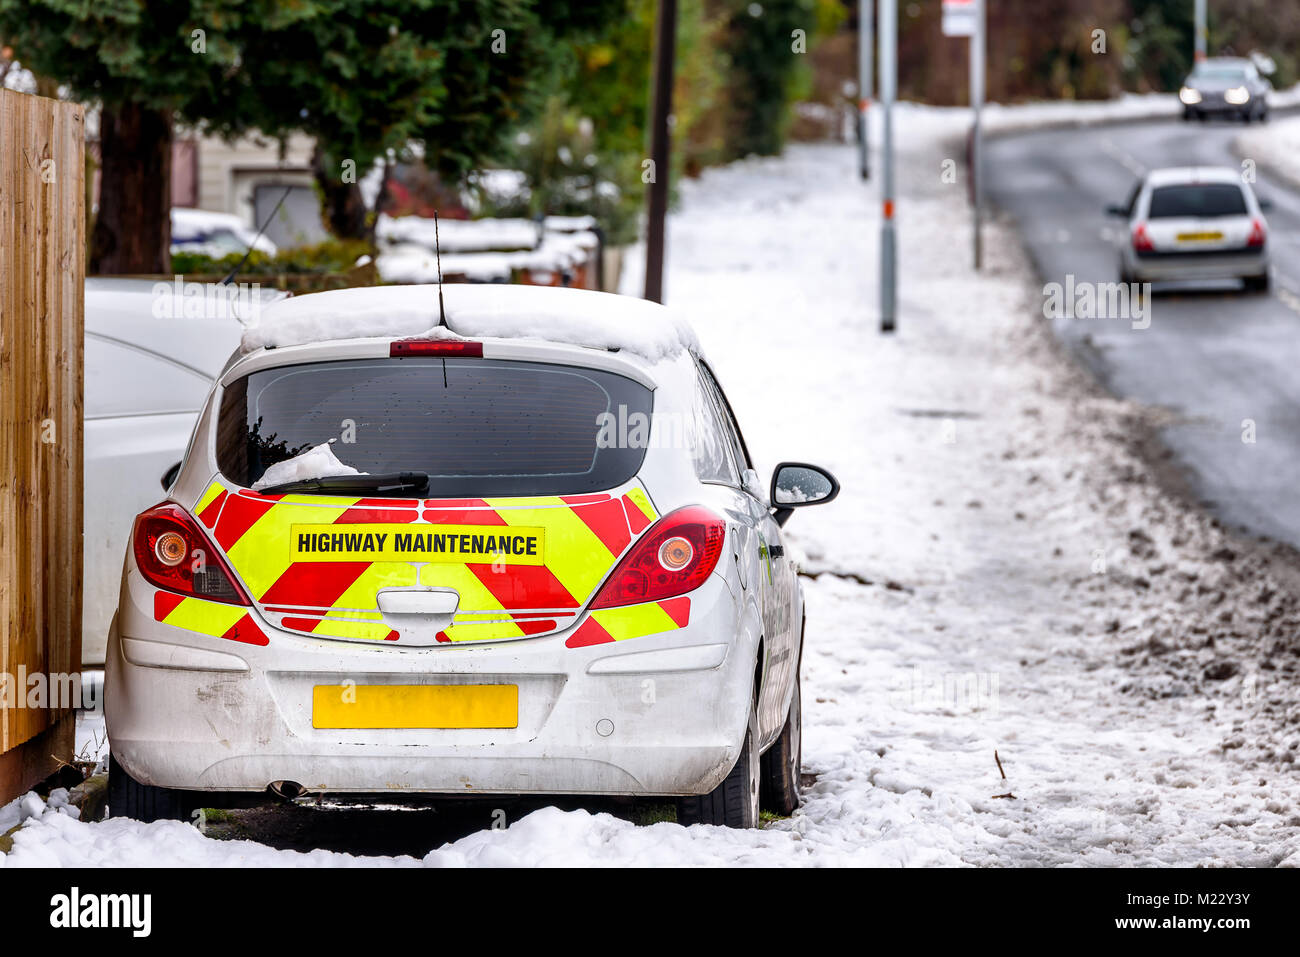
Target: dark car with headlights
1225, 86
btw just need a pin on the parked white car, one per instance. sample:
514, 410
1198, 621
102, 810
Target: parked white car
1194, 223
214, 234
522, 553
146, 380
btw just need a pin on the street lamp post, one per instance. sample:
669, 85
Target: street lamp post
866, 82
1200, 29
888, 92
660, 153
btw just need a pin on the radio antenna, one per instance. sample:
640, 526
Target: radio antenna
437, 250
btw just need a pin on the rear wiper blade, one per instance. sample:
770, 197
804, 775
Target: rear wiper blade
382, 482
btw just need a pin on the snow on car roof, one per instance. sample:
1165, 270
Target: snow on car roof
493, 311
1183, 175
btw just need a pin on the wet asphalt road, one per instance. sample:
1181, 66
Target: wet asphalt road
1214, 354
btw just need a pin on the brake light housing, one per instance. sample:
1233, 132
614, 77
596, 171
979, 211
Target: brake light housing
1141, 241
1257, 234
674, 556
174, 554
446, 348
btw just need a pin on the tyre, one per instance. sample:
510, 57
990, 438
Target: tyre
1256, 283
734, 802
782, 763
127, 797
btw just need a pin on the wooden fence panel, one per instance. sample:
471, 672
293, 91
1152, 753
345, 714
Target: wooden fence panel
42, 293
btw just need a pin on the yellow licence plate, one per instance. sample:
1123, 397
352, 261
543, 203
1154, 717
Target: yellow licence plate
415, 706
1199, 237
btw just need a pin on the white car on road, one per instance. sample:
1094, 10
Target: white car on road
521, 552
1194, 223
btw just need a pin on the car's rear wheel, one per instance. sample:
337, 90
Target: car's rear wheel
782, 762
127, 797
734, 802
1256, 283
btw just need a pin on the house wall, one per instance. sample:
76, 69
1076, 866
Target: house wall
228, 172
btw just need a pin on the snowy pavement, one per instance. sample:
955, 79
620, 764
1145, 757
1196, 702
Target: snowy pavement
1275, 147
1001, 572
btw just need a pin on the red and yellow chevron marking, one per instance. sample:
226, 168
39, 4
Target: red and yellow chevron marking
583, 536
213, 618
631, 621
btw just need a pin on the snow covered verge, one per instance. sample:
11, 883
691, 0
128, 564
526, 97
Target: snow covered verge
1275, 147
1007, 119
1002, 572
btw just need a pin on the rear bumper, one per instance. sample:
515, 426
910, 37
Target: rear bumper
1171, 267
661, 714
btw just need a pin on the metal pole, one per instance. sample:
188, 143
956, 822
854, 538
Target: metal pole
977, 52
888, 92
1201, 30
660, 155
866, 82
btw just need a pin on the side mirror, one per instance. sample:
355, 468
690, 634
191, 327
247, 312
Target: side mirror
1120, 212
797, 484
169, 477
1265, 205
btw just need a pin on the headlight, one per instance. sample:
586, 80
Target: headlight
1237, 95
1189, 96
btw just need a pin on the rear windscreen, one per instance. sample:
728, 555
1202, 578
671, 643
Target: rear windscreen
477, 427
1205, 200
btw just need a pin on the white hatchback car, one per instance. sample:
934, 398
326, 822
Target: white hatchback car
521, 552
1194, 223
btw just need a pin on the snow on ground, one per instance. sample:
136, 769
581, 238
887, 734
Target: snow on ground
1274, 147
1000, 573
1128, 107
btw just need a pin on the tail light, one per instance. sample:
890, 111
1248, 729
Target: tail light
673, 557
1257, 234
1141, 241
172, 552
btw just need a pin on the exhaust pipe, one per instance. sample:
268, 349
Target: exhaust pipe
286, 790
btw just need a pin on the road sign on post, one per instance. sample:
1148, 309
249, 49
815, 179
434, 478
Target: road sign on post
959, 18
965, 18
